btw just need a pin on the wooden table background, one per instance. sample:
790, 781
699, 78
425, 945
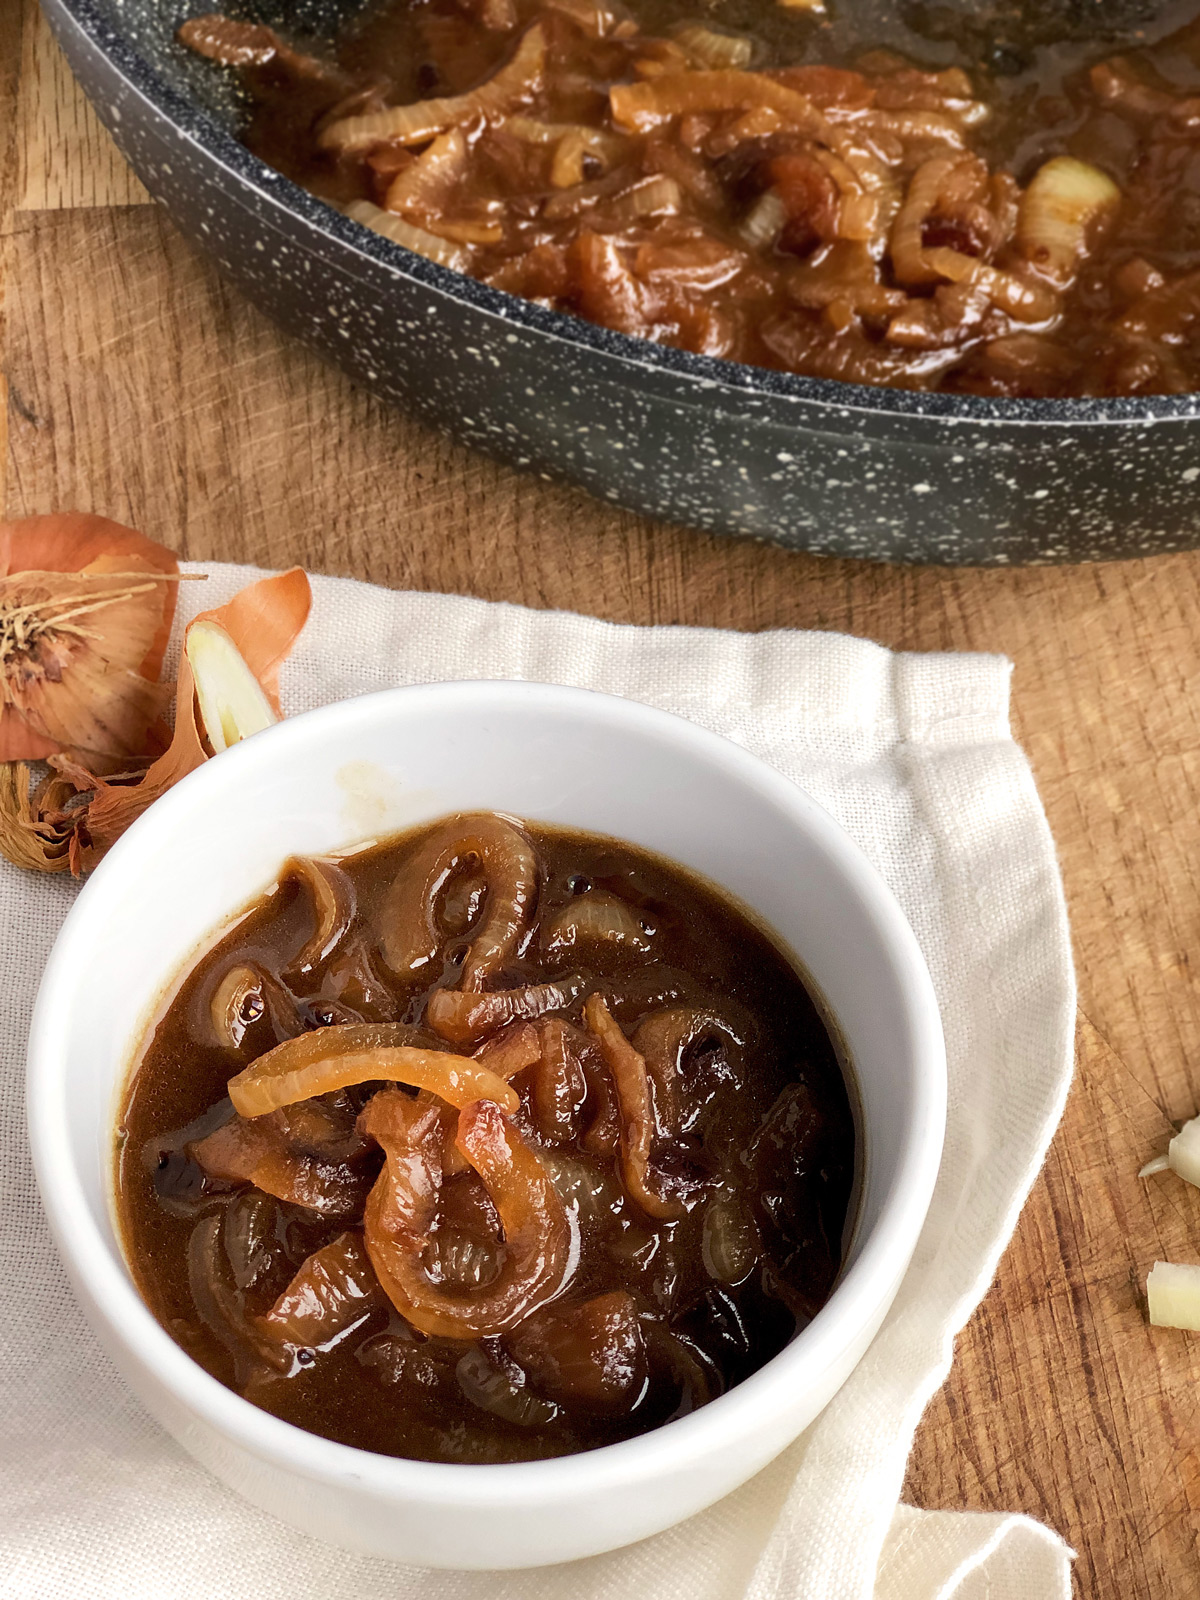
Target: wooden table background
139, 385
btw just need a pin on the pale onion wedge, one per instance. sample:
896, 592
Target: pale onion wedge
1183, 1155
1064, 199
1173, 1295
231, 699
1183, 1152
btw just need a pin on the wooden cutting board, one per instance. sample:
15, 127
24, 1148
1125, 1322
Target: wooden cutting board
141, 386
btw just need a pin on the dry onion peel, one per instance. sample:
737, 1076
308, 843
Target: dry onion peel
26, 838
85, 612
263, 622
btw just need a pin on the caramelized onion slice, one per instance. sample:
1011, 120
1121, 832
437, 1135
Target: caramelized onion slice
360, 1052
666, 1041
589, 1188
591, 1355
333, 900
222, 1309
268, 1153
466, 1018
730, 1245
244, 996
515, 84
423, 243
491, 1389
943, 184
599, 20
333, 1292
713, 47
632, 1082
401, 1217
510, 1052
639, 107
237, 1003
595, 918
248, 1234
558, 1087
411, 937
427, 183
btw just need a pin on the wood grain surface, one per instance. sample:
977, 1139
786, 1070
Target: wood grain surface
141, 386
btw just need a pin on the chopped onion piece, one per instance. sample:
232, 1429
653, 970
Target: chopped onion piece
1159, 1164
709, 48
1064, 198
231, 699
1173, 1295
764, 220
657, 196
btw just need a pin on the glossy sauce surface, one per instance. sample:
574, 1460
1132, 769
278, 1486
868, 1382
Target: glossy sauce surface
982, 200
636, 1270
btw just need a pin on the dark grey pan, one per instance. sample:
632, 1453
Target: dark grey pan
815, 465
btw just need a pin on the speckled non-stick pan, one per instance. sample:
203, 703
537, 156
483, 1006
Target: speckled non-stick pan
809, 463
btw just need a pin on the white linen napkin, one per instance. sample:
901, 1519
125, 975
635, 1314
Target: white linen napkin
913, 755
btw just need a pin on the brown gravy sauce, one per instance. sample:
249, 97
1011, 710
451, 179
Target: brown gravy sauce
640, 1317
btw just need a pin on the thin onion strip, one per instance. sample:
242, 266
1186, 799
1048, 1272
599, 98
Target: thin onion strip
352, 1053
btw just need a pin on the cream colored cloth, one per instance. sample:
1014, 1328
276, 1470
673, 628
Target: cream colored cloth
914, 757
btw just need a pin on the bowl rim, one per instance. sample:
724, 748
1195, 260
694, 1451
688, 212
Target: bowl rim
738, 380
109, 1286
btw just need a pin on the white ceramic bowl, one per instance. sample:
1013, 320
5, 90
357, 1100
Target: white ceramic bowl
368, 767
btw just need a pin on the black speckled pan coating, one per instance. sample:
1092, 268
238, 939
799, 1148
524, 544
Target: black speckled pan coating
815, 465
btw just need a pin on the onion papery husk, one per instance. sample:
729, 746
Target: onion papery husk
26, 838
86, 607
263, 620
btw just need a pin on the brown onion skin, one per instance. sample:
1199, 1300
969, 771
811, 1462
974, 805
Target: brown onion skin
402, 1210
